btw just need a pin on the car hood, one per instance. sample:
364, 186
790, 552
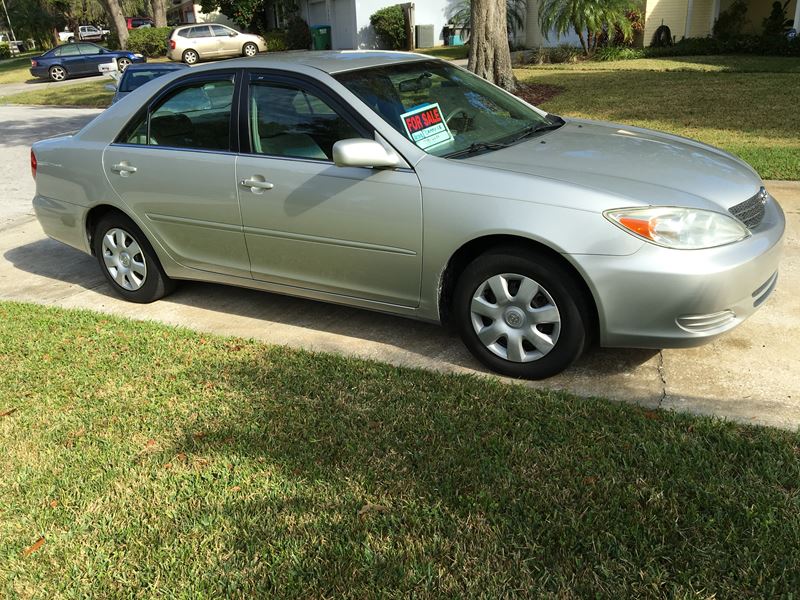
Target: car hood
641, 165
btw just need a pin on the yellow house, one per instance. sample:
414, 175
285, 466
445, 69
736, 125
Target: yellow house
695, 18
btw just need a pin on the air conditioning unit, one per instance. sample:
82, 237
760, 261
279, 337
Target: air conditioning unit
425, 37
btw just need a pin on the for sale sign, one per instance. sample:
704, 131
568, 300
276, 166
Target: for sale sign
426, 126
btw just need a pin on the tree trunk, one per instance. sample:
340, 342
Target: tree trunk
116, 17
489, 54
159, 12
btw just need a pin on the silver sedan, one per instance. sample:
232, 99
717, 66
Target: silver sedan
402, 184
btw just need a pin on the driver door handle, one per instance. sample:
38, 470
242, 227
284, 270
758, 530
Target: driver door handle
123, 168
256, 183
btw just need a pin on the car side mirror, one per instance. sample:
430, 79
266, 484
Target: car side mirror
363, 153
233, 34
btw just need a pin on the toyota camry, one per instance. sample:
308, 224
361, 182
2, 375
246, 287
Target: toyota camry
403, 184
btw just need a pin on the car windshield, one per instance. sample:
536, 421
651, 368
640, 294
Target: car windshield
134, 79
444, 110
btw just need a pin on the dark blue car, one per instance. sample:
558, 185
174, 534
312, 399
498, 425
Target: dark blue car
138, 75
79, 59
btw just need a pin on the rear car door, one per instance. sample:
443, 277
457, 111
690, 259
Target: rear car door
174, 167
310, 224
204, 41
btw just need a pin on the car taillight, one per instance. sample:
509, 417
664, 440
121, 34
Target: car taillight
34, 63
172, 44
33, 164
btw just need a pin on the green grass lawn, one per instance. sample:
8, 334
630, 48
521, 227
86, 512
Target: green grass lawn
142, 460
90, 92
446, 52
745, 105
15, 70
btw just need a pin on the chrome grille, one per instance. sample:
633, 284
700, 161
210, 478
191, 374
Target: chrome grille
751, 211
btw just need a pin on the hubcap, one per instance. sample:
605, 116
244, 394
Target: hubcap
515, 317
58, 73
124, 259
191, 57
123, 63
250, 50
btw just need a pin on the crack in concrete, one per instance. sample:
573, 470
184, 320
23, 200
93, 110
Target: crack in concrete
662, 374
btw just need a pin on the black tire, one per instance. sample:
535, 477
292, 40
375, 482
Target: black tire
155, 283
252, 47
190, 56
562, 290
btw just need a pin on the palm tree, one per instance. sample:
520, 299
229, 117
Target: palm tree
588, 18
461, 16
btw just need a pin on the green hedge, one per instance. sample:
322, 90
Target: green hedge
5, 50
740, 44
390, 26
276, 41
150, 41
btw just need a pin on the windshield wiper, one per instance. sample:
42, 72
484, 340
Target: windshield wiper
476, 147
534, 129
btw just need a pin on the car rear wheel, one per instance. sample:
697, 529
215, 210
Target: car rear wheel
249, 49
190, 57
57, 73
128, 261
521, 313
123, 63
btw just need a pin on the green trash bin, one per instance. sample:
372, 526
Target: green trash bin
321, 37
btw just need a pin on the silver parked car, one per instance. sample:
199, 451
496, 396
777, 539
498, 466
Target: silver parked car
407, 185
192, 43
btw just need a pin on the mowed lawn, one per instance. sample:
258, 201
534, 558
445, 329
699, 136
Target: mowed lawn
745, 105
142, 460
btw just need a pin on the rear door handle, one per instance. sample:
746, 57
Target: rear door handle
256, 184
124, 169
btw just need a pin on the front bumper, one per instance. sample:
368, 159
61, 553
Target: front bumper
662, 298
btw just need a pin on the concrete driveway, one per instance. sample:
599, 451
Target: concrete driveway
750, 375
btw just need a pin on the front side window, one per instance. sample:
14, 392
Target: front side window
288, 121
442, 109
221, 31
196, 116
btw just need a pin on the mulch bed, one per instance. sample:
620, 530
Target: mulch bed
537, 93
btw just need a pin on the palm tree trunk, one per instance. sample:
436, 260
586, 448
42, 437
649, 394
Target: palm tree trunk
489, 54
579, 31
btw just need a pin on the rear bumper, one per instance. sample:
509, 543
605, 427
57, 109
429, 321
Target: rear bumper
662, 298
39, 72
62, 221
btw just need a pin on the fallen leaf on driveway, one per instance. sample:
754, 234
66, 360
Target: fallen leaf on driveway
369, 507
10, 411
33, 547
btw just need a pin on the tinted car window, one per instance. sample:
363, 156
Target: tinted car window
133, 78
89, 49
194, 116
69, 50
288, 121
196, 32
221, 31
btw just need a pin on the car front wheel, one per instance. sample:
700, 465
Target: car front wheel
128, 261
57, 73
521, 313
249, 49
123, 63
190, 57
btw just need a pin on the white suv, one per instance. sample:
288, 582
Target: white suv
191, 43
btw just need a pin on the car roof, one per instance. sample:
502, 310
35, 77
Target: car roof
156, 67
328, 61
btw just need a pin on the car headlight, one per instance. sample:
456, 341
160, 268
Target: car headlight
138, 55
679, 228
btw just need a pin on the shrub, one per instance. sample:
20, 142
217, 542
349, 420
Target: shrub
740, 44
731, 20
112, 41
276, 41
150, 41
390, 27
5, 50
607, 53
298, 37
558, 54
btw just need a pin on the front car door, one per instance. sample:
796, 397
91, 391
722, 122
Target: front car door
174, 167
310, 224
204, 41
71, 59
226, 39
92, 57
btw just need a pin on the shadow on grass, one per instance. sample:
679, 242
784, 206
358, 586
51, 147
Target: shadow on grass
471, 488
